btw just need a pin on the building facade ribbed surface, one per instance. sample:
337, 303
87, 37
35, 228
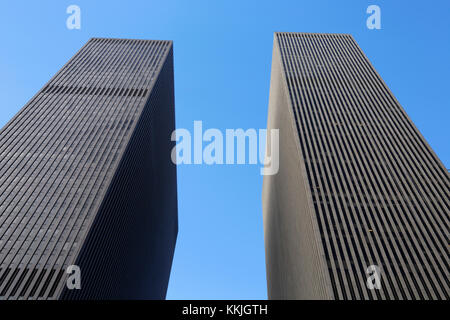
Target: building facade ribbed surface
86, 178
358, 184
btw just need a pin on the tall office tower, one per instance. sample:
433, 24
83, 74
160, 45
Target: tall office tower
358, 185
86, 179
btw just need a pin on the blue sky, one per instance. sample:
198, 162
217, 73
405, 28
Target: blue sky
222, 52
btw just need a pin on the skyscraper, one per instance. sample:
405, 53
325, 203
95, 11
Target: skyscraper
360, 195
86, 178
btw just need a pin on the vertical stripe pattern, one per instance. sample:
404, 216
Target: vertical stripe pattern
380, 193
59, 155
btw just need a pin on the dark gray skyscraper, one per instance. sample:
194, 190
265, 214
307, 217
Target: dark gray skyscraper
86, 178
358, 184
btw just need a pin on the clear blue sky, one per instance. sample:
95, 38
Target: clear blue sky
223, 53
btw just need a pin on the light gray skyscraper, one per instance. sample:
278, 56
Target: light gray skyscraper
359, 193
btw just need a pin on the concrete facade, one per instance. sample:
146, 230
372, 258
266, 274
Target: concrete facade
358, 185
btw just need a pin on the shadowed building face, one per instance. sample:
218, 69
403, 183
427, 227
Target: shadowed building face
359, 190
86, 178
